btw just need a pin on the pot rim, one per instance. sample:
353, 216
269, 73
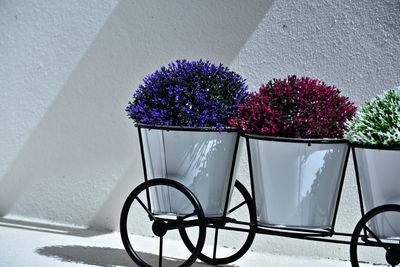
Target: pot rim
184, 128
296, 140
376, 147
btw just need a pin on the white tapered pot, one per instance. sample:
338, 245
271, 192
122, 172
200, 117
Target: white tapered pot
379, 180
200, 160
297, 184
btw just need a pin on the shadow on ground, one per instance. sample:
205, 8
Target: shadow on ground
103, 256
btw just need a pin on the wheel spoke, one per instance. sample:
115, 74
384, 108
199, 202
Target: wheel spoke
189, 215
238, 206
135, 208
161, 251
247, 236
145, 208
180, 223
215, 243
376, 237
371, 238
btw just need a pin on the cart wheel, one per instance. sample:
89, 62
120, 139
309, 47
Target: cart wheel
390, 246
138, 217
241, 208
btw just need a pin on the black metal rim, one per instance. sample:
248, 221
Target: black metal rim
184, 128
362, 226
218, 223
380, 147
296, 140
197, 207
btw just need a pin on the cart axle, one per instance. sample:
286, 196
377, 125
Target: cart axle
159, 228
393, 256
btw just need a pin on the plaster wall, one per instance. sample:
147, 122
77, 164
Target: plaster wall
69, 155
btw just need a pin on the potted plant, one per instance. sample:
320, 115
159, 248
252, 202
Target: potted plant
375, 136
293, 129
182, 112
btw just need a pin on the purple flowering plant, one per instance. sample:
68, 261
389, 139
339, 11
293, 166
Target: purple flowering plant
295, 107
195, 94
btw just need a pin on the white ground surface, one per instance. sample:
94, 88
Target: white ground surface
28, 244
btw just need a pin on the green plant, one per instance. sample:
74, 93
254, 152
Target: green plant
378, 122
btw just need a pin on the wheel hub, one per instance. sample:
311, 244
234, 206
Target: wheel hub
159, 228
393, 256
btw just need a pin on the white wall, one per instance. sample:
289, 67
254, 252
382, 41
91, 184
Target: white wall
354, 45
68, 153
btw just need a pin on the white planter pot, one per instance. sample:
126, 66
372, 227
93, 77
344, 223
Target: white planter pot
379, 177
297, 184
200, 160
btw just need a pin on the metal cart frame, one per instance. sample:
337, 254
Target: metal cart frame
361, 236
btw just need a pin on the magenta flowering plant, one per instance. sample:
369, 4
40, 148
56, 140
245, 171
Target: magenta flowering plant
294, 107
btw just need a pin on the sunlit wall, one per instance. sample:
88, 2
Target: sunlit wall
68, 68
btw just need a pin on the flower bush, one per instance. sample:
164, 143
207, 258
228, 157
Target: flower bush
294, 107
378, 122
196, 94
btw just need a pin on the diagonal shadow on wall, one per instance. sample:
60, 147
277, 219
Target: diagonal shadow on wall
82, 159
48, 228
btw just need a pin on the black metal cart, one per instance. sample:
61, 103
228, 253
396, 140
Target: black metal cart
239, 219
